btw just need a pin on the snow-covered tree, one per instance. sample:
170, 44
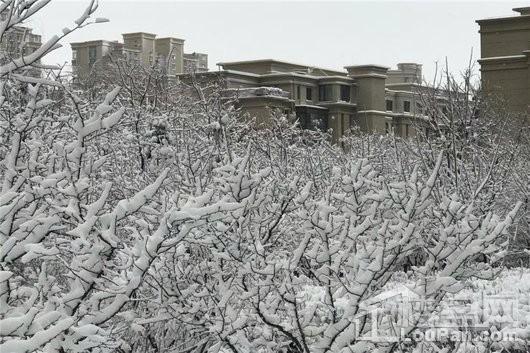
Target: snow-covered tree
70, 259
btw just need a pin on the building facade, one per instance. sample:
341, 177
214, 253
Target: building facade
19, 41
372, 97
195, 62
145, 48
505, 59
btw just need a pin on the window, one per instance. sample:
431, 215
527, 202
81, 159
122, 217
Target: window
345, 93
92, 54
309, 93
297, 92
406, 106
316, 121
389, 105
325, 93
74, 57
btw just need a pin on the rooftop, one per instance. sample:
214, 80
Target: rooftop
524, 14
367, 70
152, 35
367, 66
180, 40
294, 65
95, 41
522, 10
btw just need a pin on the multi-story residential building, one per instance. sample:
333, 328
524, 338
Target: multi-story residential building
369, 96
170, 54
404, 97
146, 48
85, 55
143, 43
195, 62
505, 59
19, 41
321, 98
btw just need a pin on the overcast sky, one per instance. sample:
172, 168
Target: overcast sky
326, 34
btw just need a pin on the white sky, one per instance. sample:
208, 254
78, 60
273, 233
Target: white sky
327, 34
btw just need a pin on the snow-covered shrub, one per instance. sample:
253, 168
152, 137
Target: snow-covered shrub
245, 277
71, 258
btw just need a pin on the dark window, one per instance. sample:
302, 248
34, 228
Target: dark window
406, 106
312, 119
92, 54
316, 121
325, 93
309, 93
389, 105
297, 92
345, 93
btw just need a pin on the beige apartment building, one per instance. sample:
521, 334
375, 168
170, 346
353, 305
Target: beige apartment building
146, 48
17, 42
195, 62
372, 97
505, 59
